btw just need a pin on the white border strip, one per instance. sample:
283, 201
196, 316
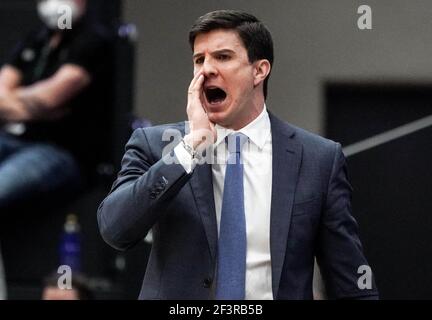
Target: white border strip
387, 136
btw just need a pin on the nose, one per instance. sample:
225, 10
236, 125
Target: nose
208, 68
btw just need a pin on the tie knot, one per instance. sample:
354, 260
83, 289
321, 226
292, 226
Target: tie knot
235, 142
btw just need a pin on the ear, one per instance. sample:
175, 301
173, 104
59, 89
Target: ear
261, 71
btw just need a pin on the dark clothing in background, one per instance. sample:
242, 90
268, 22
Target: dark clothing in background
51, 160
81, 130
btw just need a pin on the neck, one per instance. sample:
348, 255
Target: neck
255, 108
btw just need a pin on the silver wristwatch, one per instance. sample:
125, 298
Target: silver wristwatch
189, 148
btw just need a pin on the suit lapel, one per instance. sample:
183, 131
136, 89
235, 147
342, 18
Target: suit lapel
202, 188
287, 154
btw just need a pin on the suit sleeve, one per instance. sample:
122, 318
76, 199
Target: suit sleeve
340, 253
140, 194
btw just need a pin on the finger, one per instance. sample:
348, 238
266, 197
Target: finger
196, 87
199, 83
202, 99
193, 82
196, 91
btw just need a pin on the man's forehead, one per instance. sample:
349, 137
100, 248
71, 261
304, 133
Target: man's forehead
219, 39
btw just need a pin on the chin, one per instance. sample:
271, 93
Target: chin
218, 113
218, 117
215, 118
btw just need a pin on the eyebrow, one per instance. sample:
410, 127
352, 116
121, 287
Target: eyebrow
214, 52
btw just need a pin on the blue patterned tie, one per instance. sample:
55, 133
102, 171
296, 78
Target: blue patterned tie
232, 231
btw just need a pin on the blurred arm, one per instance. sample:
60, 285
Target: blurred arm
41, 99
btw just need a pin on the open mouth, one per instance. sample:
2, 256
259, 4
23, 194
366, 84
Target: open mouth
215, 95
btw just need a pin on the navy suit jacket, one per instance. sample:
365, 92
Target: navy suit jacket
310, 217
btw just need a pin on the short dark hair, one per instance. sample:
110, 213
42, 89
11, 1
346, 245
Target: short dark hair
255, 36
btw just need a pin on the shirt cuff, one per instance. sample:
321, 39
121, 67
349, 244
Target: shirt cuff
185, 158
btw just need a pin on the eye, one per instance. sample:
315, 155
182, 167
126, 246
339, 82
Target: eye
199, 60
223, 57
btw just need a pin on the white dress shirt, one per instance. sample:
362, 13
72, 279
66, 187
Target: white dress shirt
257, 181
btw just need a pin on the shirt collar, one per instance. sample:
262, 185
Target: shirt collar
257, 131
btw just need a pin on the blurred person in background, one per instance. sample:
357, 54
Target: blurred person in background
53, 92
51, 100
